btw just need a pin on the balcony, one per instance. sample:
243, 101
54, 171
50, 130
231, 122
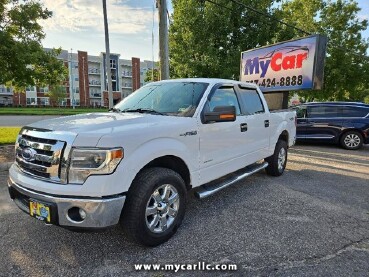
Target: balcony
95, 95
94, 71
94, 83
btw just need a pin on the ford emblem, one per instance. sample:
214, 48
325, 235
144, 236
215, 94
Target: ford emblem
29, 154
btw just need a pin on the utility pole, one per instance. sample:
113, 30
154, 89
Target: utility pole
107, 57
163, 39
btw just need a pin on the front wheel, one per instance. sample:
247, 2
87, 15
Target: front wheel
278, 161
155, 206
351, 140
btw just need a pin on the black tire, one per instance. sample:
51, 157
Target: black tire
352, 140
273, 168
134, 219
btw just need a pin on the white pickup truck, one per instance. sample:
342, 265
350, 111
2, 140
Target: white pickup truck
134, 164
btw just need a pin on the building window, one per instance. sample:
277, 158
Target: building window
44, 101
112, 64
63, 102
31, 101
76, 79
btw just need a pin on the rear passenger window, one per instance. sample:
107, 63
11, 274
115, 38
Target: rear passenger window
251, 101
323, 112
354, 112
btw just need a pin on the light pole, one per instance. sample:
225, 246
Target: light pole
107, 57
71, 77
84, 80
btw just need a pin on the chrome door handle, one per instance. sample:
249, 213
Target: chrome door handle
243, 127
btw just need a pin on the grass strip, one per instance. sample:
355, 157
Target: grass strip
8, 135
48, 111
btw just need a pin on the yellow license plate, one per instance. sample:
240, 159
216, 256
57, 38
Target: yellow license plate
40, 211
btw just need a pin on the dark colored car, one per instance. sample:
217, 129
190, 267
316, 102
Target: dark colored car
344, 123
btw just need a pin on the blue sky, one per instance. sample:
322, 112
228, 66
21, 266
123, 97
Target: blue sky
78, 24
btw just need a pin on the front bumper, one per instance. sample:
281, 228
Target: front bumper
100, 212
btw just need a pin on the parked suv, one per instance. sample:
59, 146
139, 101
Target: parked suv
344, 123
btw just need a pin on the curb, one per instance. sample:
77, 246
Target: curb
5, 166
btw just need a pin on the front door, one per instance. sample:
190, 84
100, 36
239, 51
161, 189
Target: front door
222, 143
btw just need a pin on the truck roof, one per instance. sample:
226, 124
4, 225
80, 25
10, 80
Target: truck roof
211, 81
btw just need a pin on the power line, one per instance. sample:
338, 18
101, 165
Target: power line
216, 4
270, 16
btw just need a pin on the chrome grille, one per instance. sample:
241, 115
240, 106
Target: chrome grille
39, 157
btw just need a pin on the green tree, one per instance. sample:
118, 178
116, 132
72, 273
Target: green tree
206, 40
150, 73
57, 94
24, 62
346, 71
346, 65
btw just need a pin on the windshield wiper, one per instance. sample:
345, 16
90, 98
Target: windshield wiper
143, 110
115, 110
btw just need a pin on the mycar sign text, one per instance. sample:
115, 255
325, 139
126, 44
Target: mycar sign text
290, 65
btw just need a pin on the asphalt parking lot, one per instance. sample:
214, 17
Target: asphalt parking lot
312, 221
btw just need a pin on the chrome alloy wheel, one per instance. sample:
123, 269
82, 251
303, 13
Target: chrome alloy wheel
281, 159
162, 208
352, 140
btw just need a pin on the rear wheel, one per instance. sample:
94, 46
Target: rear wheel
351, 140
155, 206
277, 162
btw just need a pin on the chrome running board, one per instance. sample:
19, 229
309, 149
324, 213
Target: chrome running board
211, 188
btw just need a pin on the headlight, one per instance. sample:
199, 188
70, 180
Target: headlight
86, 162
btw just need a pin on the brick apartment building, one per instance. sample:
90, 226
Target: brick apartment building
86, 85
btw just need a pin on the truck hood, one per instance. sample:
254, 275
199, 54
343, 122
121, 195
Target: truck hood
89, 128
92, 122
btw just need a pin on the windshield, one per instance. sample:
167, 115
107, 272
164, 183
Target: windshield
166, 98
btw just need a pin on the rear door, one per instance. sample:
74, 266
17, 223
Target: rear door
257, 120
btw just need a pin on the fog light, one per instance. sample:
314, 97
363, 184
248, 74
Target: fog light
82, 214
76, 215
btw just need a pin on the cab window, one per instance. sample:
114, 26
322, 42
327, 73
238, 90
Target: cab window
251, 101
224, 96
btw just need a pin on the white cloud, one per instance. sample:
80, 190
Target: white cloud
87, 15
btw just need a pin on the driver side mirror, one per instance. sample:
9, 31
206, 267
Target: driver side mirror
221, 114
